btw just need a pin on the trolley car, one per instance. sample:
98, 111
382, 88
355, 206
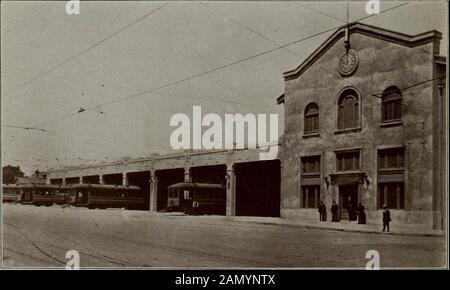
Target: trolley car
211, 197
49, 194
106, 196
11, 193
37, 194
83, 195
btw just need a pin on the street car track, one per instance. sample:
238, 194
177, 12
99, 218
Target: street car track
37, 247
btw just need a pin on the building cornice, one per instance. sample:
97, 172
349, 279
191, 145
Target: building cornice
364, 29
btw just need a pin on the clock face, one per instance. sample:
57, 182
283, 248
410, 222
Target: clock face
348, 63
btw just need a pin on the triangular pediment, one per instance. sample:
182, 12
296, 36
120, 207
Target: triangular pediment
367, 30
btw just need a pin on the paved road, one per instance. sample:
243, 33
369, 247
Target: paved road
40, 237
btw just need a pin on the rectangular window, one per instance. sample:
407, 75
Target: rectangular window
392, 194
391, 158
346, 161
311, 164
312, 124
310, 196
392, 110
391, 162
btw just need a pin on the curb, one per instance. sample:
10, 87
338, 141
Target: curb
437, 234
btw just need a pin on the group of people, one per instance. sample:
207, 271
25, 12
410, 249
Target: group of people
353, 214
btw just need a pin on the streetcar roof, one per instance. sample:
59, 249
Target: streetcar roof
33, 185
196, 185
105, 186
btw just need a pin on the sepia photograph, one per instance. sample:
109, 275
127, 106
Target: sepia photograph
224, 135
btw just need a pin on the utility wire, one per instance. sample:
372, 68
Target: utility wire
238, 61
222, 66
92, 46
285, 48
319, 12
24, 128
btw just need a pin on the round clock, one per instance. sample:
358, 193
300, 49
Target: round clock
348, 63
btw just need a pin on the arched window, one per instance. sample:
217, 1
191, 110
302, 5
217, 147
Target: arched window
311, 119
348, 110
391, 105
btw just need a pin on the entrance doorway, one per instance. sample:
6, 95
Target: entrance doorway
348, 201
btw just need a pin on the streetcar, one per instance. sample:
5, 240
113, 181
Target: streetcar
36, 194
106, 196
82, 195
211, 197
11, 193
47, 194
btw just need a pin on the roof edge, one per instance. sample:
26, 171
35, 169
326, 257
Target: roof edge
356, 27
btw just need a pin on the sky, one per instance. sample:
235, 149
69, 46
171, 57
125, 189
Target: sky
133, 65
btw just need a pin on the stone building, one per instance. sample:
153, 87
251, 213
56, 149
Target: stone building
365, 119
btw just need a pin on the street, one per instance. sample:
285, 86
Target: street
41, 236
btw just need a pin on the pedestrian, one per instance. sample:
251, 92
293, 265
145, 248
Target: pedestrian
334, 212
361, 214
351, 211
386, 217
195, 206
322, 211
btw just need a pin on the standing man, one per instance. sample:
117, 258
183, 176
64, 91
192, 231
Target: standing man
361, 214
334, 212
195, 205
321, 209
386, 218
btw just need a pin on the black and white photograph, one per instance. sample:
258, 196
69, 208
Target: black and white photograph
224, 135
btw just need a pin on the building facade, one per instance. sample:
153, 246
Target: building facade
252, 185
365, 122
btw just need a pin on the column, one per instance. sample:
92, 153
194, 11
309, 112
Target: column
153, 183
125, 178
81, 179
231, 191
63, 181
316, 196
100, 179
187, 174
306, 192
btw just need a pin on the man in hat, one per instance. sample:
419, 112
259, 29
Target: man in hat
322, 212
386, 217
334, 212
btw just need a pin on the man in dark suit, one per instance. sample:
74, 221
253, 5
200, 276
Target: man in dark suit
386, 218
322, 211
334, 212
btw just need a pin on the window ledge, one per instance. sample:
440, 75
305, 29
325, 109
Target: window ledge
348, 130
391, 123
353, 171
392, 169
311, 135
309, 174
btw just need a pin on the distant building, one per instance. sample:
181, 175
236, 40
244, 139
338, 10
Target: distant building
10, 173
365, 122
36, 178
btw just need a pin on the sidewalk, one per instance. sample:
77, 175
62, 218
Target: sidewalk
405, 230
346, 226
